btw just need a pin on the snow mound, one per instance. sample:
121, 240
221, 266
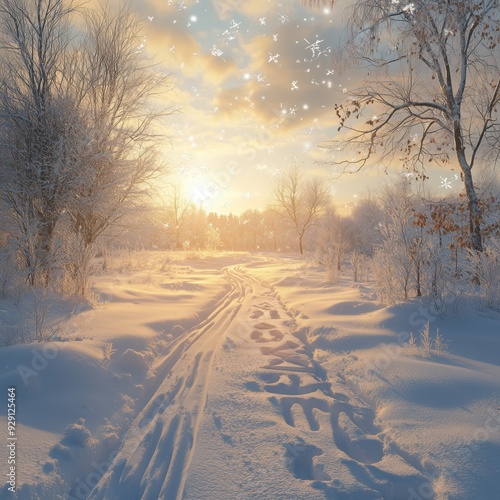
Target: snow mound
352, 307
289, 281
77, 433
132, 362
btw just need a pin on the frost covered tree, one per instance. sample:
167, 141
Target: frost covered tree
432, 94
78, 109
177, 214
399, 258
120, 91
300, 201
366, 221
40, 129
333, 241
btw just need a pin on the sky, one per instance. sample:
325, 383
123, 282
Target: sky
255, 86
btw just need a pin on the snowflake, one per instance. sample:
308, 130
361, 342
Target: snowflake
316, 51
230, 33
235, 26
275, 38
274, 58
216, 52
262, 21
283, 18
445, 183
294, 85
410, 8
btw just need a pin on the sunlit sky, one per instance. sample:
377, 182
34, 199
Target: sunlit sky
256, 88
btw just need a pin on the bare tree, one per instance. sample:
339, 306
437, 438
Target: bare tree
178, 211
365, 225
120, 90
300, 201
78, 136
435, 92
38, 123
333, 239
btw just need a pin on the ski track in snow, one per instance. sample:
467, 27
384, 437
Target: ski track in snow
154, 460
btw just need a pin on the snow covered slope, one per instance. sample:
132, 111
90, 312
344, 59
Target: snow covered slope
239, 377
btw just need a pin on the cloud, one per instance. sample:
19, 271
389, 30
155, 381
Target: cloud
226, 9
290, 81
184, 55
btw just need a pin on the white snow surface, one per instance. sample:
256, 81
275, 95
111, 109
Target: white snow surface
248, 376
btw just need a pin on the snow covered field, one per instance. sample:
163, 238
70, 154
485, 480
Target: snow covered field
243, 376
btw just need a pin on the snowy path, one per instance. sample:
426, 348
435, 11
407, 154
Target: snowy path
154, 460
241, 410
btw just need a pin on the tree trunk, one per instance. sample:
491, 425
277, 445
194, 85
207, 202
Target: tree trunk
419, 290
473, 203
474, 214
45, 253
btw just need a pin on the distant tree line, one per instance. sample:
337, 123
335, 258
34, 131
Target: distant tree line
409, 244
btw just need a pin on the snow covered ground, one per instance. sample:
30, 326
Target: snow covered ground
242, 376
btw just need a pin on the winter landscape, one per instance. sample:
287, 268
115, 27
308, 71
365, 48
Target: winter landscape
250, 250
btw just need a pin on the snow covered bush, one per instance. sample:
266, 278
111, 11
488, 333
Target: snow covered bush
397, 260
428, 345
330, 259
327, 256
440, 283
391, 282
486, 267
